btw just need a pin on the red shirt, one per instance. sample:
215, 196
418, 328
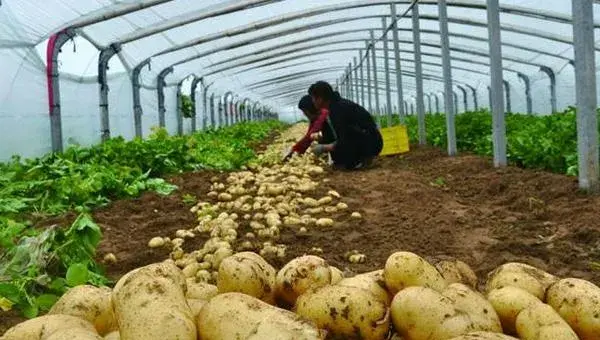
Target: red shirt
314, 127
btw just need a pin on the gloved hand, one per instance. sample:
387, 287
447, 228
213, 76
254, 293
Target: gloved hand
316, 136
288, 154
319, 149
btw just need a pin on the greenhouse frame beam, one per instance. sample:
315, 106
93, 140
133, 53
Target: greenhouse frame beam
429, 109
160, 88
507, 94
374, 67
474, 93
422, 132
447, 71
465, 99
527, 83
103, 59
179, 111
137, 105
227, 106
205, 108
212, 111
585, 90
362, 81
193, 87
386, 63
497, 80
548, 71
396, 44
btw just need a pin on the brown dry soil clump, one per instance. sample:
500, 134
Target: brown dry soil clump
424, 202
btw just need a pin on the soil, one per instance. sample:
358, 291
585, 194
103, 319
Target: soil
423, 201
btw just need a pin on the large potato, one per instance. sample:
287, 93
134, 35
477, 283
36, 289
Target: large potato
482, 314
74, 334
150, 303
44, 326
373, 282
336, 275
247, 273
578, 302
484, 336
404, 269
239, 316
508, 302
300, 275
541, 322
456, 271
520, 275
197, 289
420, 313
89, 303
345, 312
196, 306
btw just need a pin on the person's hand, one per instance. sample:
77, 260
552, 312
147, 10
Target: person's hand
319, 149
288, 155
316, 136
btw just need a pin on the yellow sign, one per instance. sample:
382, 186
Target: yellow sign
395, 140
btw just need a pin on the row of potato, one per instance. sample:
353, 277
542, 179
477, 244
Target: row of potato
308, 299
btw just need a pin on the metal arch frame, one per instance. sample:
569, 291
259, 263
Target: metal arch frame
160, 87
226, 106
193, 87
465, 99
205, 106
245, 102
527, 83
474, 93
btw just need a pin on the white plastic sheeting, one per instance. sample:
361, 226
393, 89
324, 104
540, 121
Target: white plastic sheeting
241, 50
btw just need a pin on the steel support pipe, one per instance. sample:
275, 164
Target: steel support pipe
465, 99
405, 106
388, 88
474, 93
528, 101
213, 122
193, 88
429, 102
368, 59
137, 103
221, 108
226, 107
419, 74
437, 102
490, 96
585, 86
54, 46
103, 59
356, 81
205, 108
374, 65
455, 97
399, 89
160, 86
350, 82
507, 95
362, 79
447, 71
552, 77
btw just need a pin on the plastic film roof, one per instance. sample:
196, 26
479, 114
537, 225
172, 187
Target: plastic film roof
273, 50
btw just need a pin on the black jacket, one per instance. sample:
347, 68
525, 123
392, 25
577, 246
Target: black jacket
354, 131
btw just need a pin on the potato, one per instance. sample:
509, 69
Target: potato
325, 222
336, 274
421, 313
300, 275
240, 316
484, 336
247, 273
480, 311
113, 336
150, 303
156, 242
196, 306
44, 326
197, 289
457, 271
520, 275
541, 322
404, 269
74, 333
508, 303
373, 282
345, 312
578, 303
88, 303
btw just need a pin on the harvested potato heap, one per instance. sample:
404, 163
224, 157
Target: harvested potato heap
409, 299
248, 210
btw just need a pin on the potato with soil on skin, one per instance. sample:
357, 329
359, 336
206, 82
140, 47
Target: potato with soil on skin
541, 322
74, 334
336, 275
201, 290
520, 275
405, 269
373, 282
240, 316
480, 311
300, 275
508, 303
196, 305
247, 273
89, 303
420, 313
578, 303
484, 336
345, 312
456, 271
41, 327
149, 303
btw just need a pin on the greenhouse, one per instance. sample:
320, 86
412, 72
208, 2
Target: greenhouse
299, 169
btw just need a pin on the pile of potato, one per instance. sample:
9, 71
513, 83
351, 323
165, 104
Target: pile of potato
408, 299
247, 211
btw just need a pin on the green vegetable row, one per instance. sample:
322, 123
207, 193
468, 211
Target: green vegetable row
539, 142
